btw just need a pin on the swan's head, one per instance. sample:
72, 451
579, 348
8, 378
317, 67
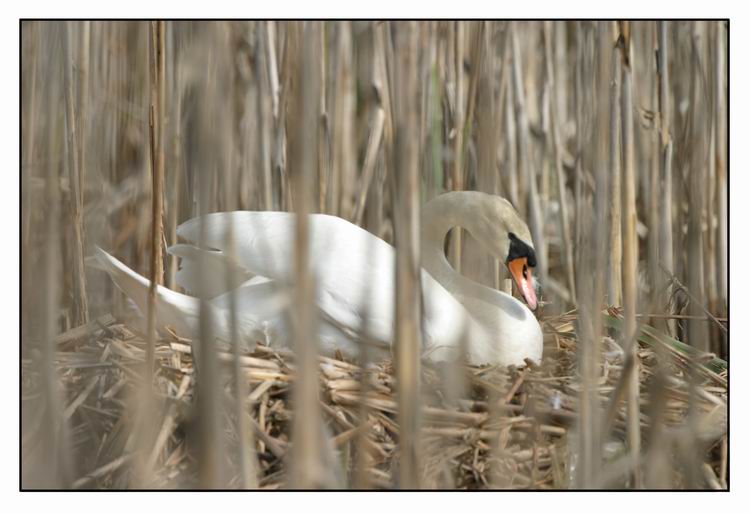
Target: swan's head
493, 222
520, 261
508, 238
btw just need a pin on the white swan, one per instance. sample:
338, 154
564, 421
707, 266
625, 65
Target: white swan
355, 273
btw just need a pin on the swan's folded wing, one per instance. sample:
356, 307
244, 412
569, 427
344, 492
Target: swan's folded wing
172, 308
222, 272
263, 240
353, 268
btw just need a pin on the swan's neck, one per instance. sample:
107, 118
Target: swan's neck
473, 211
451, 210
439, 216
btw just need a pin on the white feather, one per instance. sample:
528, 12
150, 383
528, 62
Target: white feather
354, 275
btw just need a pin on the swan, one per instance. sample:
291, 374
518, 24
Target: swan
355, 275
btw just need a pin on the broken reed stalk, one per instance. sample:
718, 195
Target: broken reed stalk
652, 174
510, 130
477, 64
156, 139
665, 138
699, 120
527, 166
554, 120
593, 256
242, 425
368, 168
145, 400
458, 133
205, 158
363, 460
80, 297
709, 233
273, 68
697, 123
408, 284
614, 275
265, 116
308, 470
581, 99
57, 470
325, 160
720, 122
486, 119
248, 466
343, 141
657, 464
282, 197
630, 254
30, 98
173, 140
84, 45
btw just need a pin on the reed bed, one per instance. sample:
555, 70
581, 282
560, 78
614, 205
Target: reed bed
609, 138
535, 437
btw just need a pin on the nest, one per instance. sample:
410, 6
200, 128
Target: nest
508, 428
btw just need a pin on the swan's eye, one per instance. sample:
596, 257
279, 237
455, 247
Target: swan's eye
520, 249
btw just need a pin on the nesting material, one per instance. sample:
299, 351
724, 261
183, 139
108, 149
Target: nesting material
509, 428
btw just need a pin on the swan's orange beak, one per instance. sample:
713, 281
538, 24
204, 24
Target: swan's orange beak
521, 272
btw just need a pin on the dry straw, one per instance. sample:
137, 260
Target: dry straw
608, 137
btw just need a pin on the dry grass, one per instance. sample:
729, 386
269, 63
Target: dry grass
535, 432
610, 139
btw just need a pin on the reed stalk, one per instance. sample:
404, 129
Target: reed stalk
57, 470
408, 283
616, 161
527, 165
308, 467
459, 116
80, 295
720, 121
555, 145
630, 254
665, 230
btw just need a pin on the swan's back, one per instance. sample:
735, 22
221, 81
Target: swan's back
355, 270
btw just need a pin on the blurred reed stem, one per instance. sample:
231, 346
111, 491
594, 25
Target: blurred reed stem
408, 284
80, 304
630, 254
372, 118
665, 230
303, 48
555, 144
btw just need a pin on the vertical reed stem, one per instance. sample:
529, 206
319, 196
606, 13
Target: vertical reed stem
408, 284
80, 297
564, 218
665, 230
304, 52
458, 135
630, 255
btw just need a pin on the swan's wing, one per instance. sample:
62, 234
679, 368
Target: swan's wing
215, 265
259, 297
354, 269
262, 239
263, 314
260, 308
172, 308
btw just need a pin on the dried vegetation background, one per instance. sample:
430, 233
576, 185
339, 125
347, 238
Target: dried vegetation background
609, 138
